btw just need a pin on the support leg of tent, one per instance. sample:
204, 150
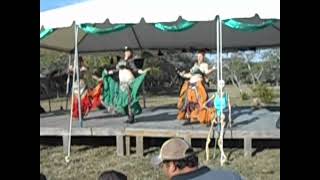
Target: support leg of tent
78, 75
120, 145
247, 144
139, 146
128, 145
67, 158
65, 141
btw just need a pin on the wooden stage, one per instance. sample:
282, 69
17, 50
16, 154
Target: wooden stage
161, 122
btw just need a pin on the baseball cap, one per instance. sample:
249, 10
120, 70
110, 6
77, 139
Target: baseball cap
172, 149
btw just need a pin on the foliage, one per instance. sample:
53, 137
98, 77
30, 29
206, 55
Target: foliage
263, 92
244, 96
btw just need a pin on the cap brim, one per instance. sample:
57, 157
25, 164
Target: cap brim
156, 161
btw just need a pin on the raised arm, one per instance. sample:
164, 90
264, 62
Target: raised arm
96, 78
113, 71
205, 69
134, 68
185, 75
210, 71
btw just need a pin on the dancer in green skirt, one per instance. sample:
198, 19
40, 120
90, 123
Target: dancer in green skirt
124, 95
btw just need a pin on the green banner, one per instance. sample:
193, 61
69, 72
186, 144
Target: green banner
240, 26
89, 28
182, 26
45, 33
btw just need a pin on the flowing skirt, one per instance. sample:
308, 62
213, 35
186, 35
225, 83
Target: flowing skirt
117, 95
191, 103
90, 100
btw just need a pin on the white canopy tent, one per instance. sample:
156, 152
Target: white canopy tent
131, 11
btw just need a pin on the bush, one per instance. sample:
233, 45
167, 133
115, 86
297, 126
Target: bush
244, 96
264, 93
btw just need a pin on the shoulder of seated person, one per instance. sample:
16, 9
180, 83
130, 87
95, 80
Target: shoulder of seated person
225, 174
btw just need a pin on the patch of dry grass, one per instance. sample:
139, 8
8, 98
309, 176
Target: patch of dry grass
88, 162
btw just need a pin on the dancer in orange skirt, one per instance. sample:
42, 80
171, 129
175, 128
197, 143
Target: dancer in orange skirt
193, 94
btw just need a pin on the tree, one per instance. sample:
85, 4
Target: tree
272, 66
163, 70
236, 72
255, 69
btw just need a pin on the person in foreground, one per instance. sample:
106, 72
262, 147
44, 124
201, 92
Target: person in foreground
179, 162
112, 175
42, 177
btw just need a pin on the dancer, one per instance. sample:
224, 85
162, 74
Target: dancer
124, 96
193, 94
84, 98
90, 98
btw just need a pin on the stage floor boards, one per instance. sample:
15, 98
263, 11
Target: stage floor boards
246, 119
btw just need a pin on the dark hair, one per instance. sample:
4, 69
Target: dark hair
190, 161
80, 59
42, 177
112, 175
202, 51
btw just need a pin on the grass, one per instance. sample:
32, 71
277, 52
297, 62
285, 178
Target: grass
88, 162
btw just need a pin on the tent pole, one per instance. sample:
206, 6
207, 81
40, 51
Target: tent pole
218, 51
68, 80
67, 158
220, 45
78, 74
218, 68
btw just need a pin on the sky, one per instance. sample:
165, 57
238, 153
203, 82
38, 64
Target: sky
258, 55
52, 4
233, 5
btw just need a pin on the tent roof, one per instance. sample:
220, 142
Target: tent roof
144, 36
129, 11
62, 39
